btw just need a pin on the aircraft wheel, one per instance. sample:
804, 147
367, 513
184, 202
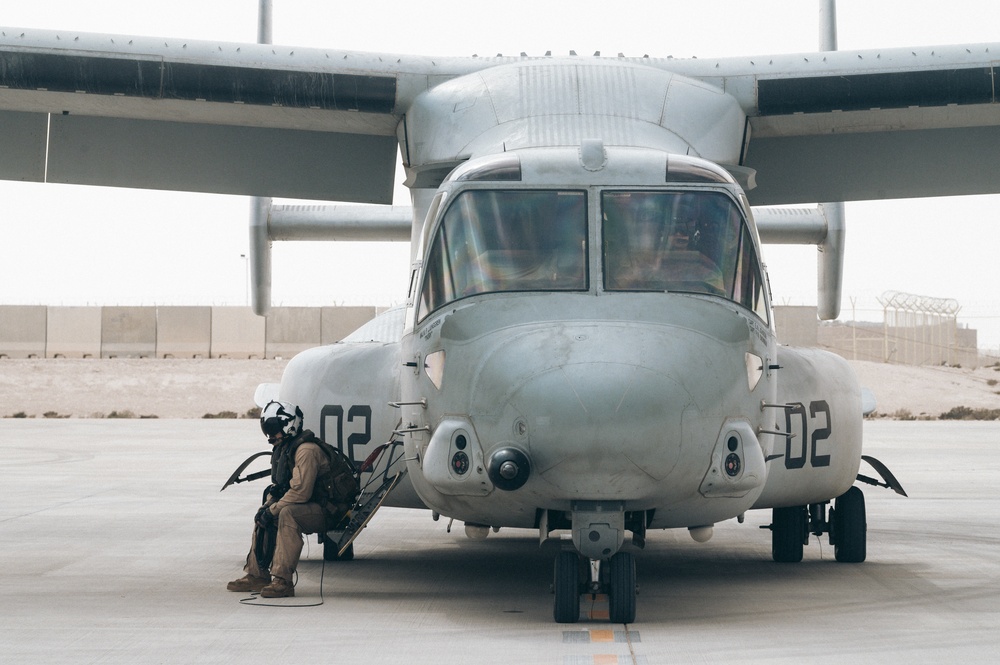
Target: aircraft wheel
330, 551
850, 527
621, 588
567, 587
788, 533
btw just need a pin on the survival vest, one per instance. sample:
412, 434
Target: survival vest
335, 490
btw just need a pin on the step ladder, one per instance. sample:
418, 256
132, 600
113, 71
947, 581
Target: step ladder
373, 494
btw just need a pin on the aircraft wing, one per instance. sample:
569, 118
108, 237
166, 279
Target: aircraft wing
856, 125
228, 118
267, 120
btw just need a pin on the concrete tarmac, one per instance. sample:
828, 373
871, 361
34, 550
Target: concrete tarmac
116, 547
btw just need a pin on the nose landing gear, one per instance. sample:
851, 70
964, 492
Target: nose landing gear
621, 588
614, 577
568, 585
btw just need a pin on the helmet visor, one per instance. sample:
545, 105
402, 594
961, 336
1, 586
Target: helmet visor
272, 426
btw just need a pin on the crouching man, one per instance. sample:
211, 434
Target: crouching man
302, 499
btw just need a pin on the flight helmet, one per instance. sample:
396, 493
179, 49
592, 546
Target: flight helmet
281, 417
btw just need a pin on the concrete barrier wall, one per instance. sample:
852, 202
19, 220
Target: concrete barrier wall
28, 331
291, 330
339, 322
73, 332
128, 332
237, 333
796, 326
183, 332
22, 331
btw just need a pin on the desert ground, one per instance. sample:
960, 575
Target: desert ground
132, 388
90, 388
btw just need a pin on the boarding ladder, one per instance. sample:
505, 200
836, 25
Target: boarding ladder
376, 483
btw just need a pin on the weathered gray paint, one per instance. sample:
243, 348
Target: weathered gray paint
23, 140
254, 161
814, 102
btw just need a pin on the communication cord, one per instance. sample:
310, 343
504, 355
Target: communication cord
255, 596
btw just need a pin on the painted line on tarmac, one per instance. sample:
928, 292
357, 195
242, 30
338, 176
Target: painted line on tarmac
604, 637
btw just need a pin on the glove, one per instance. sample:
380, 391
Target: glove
271, 494
266, 495
265, 519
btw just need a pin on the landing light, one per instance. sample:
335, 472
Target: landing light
508, 469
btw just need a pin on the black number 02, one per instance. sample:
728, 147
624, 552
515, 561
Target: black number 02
356, 439
806, 450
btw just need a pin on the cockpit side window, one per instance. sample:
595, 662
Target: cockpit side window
749, 279
506, 240
670, 241
689, 242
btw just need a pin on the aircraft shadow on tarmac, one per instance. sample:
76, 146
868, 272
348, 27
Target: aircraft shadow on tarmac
678, 581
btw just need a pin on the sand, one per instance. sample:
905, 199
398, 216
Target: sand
929, 391
195, 388
168, 388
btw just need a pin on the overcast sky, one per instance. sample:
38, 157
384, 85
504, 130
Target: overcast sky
69, 245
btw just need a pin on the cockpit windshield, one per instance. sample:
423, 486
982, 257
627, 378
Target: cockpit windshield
690, 241
491, 241
670, 241
507, 240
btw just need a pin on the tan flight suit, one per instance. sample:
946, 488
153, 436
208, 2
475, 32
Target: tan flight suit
296, 514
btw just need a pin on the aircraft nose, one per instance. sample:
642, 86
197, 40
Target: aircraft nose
606, 414
602, 429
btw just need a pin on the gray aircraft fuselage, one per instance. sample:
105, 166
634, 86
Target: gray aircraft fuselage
588, 345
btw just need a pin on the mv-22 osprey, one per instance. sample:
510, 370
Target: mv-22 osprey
587, 346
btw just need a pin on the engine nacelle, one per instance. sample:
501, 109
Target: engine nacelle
819, 412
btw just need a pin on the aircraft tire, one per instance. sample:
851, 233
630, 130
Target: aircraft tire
621, 588
788, 533
850, 527
330, 552
566, 608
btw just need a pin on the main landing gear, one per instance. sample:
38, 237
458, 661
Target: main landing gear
576, 575
847, 526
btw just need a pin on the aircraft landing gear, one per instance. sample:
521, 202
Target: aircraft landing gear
567, 587
621, 588
789, 532
615, 577
849, 527
790, 528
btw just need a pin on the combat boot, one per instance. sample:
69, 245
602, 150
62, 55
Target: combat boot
249, 583
278, 588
